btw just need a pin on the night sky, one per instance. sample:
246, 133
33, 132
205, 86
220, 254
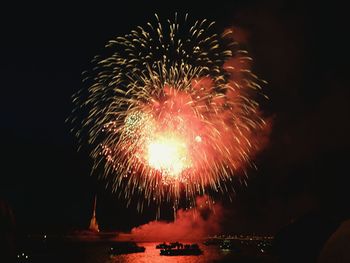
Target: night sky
299, 49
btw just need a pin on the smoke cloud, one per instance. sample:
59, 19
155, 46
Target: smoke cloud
189, 225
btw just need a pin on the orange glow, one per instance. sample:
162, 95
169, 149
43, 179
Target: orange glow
169, 154
174, 116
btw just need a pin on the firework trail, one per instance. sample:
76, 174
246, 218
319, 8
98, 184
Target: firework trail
170, 112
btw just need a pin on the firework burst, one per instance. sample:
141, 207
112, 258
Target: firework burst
170, 111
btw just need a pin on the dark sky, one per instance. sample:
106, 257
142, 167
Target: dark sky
299, 48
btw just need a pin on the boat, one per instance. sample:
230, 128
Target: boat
170, 245
163, 246
126, 248
182, 250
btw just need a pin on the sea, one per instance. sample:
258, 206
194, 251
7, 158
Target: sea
73, 251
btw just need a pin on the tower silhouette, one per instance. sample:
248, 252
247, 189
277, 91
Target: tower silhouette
93, 222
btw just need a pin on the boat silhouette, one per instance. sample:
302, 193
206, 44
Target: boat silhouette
179, 249
125, 248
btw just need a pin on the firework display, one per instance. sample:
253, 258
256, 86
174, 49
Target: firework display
170, 111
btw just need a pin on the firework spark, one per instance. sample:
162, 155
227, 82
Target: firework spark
170, 111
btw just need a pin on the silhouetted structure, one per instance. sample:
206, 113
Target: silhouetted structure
337, 247
303, 239
7, 233
93, 222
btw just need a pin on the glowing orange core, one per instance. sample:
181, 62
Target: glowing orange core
168, 154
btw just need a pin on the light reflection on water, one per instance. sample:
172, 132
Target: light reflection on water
74, 251
210, 254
